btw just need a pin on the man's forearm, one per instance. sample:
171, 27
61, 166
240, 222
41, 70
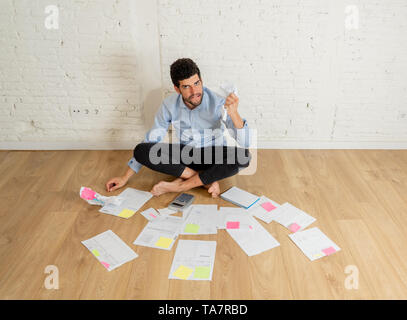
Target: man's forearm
130, 172
237, 120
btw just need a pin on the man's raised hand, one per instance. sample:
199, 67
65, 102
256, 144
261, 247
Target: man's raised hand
231, 103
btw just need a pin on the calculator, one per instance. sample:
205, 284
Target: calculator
181, 202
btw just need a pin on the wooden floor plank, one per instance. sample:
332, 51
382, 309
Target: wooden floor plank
357, 197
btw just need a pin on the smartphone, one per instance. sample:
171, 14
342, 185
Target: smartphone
181, 202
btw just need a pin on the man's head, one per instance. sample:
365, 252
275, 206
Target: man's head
186, 77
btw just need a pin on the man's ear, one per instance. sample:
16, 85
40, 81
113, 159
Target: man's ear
177, 89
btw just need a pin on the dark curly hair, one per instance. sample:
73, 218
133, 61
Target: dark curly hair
183, 68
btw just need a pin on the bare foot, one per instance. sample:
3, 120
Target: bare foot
165, 186
213, 189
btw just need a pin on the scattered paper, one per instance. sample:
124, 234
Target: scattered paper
225, 212
160, 233
132, 200
264, 209
193, 260
251, 236
207, 207
314, 243
167, 210
150, 214
110, 250
201, 219
292, 218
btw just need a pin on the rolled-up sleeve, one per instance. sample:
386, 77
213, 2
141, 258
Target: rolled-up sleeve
134, 164
158, 131
241, 135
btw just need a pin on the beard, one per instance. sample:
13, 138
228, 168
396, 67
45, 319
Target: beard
195, 104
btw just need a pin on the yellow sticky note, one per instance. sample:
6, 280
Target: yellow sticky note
183, 272
95, 252
126, 213
164, 242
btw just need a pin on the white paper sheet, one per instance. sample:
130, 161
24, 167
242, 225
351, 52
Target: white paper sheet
259, 212
239, 197
110, 250
314, 243
133, 200
160, 233
201, 219
224, 212
252, 237
167, 211
150, 214
292, 218
210, 207
196, 257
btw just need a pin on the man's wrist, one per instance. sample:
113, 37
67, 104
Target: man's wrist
130, 172
237, 120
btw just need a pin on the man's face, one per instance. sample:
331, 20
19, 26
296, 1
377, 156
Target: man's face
191, 91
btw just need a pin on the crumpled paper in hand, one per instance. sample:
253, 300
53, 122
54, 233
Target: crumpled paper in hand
228, 88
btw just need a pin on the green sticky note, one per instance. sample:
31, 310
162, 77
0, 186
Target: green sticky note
202, 272
95, 252
191, 228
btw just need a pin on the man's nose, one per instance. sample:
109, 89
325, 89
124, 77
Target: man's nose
196, 90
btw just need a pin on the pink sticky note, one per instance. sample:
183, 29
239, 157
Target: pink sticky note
105, 264
153, 215
251, 227
233, 225
329, 251
294, 227
88, 194
268, 206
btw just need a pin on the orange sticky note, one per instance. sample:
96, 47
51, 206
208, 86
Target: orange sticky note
126, 213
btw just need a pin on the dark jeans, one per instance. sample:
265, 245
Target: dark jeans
213, 163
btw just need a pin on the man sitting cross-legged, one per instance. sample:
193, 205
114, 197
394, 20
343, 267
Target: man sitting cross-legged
202, 157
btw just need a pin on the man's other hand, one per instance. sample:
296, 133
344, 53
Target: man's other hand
115, 183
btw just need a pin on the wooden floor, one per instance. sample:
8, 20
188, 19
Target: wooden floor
359, 198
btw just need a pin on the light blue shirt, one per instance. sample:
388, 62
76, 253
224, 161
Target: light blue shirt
201, 127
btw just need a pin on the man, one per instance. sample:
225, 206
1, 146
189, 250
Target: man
195, 113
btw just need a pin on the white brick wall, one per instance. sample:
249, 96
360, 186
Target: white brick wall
304, 79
